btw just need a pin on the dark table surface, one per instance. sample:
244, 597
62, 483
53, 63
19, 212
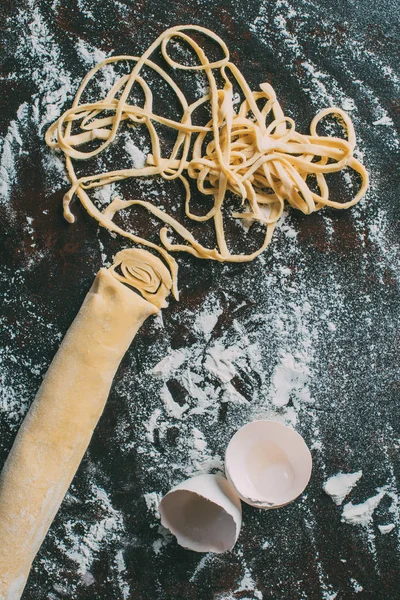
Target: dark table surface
317, 312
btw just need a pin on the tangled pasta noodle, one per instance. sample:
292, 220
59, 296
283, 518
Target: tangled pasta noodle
255, 151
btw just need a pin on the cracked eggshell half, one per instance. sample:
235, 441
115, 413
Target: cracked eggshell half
268, 464
204, 513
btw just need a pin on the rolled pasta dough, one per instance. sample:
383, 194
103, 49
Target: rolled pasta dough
58, 427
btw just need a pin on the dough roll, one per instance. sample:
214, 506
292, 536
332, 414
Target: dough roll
59, 425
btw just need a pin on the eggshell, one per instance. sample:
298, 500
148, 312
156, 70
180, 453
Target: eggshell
268, 464
204, 513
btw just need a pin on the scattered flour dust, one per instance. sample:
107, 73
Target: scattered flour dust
152, 424
82, 548
247, 584
164, 538
220, 361
85, 538
172, 408
105, 193
121, 569
202, 563
201, 459
207, 320
385, 529
11, 149
152, 500
361, 514
340, 485
385, 120
168, 365
290, 374
356, 586
90, 55
136, 155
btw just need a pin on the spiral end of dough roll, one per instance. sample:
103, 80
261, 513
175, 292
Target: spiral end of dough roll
145, 272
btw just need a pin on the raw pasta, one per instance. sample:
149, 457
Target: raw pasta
255, 151
59, 425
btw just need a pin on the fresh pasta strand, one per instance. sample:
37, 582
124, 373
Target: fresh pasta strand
255, 153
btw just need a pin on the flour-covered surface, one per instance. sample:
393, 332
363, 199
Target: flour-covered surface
306, 334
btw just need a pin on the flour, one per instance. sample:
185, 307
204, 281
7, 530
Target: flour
40, 52
385, 120
356, 586
105, 194
314, 80
388, 252
172, 408
90, 55
137, 157
201, 565
348, 104
168, 365
152, 424
152, 500
247, 583
87, 580
82, 548
361, 514
163, 540
385, 529
290, 375
230, 394
40, 59
11, 149
82, 5
121, 569
324, 90
340, 485
207, 320
327, 590
201, 459
220, 362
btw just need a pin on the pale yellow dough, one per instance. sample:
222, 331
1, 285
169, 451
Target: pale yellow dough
58, 427
247, 147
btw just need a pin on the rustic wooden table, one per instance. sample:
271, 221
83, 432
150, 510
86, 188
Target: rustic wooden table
307, 332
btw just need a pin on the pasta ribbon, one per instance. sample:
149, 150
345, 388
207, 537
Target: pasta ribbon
249, 148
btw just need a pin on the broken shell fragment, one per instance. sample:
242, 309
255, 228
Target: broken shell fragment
268, 464
204, 513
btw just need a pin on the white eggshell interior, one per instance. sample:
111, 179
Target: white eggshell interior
204, 513
268, 464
